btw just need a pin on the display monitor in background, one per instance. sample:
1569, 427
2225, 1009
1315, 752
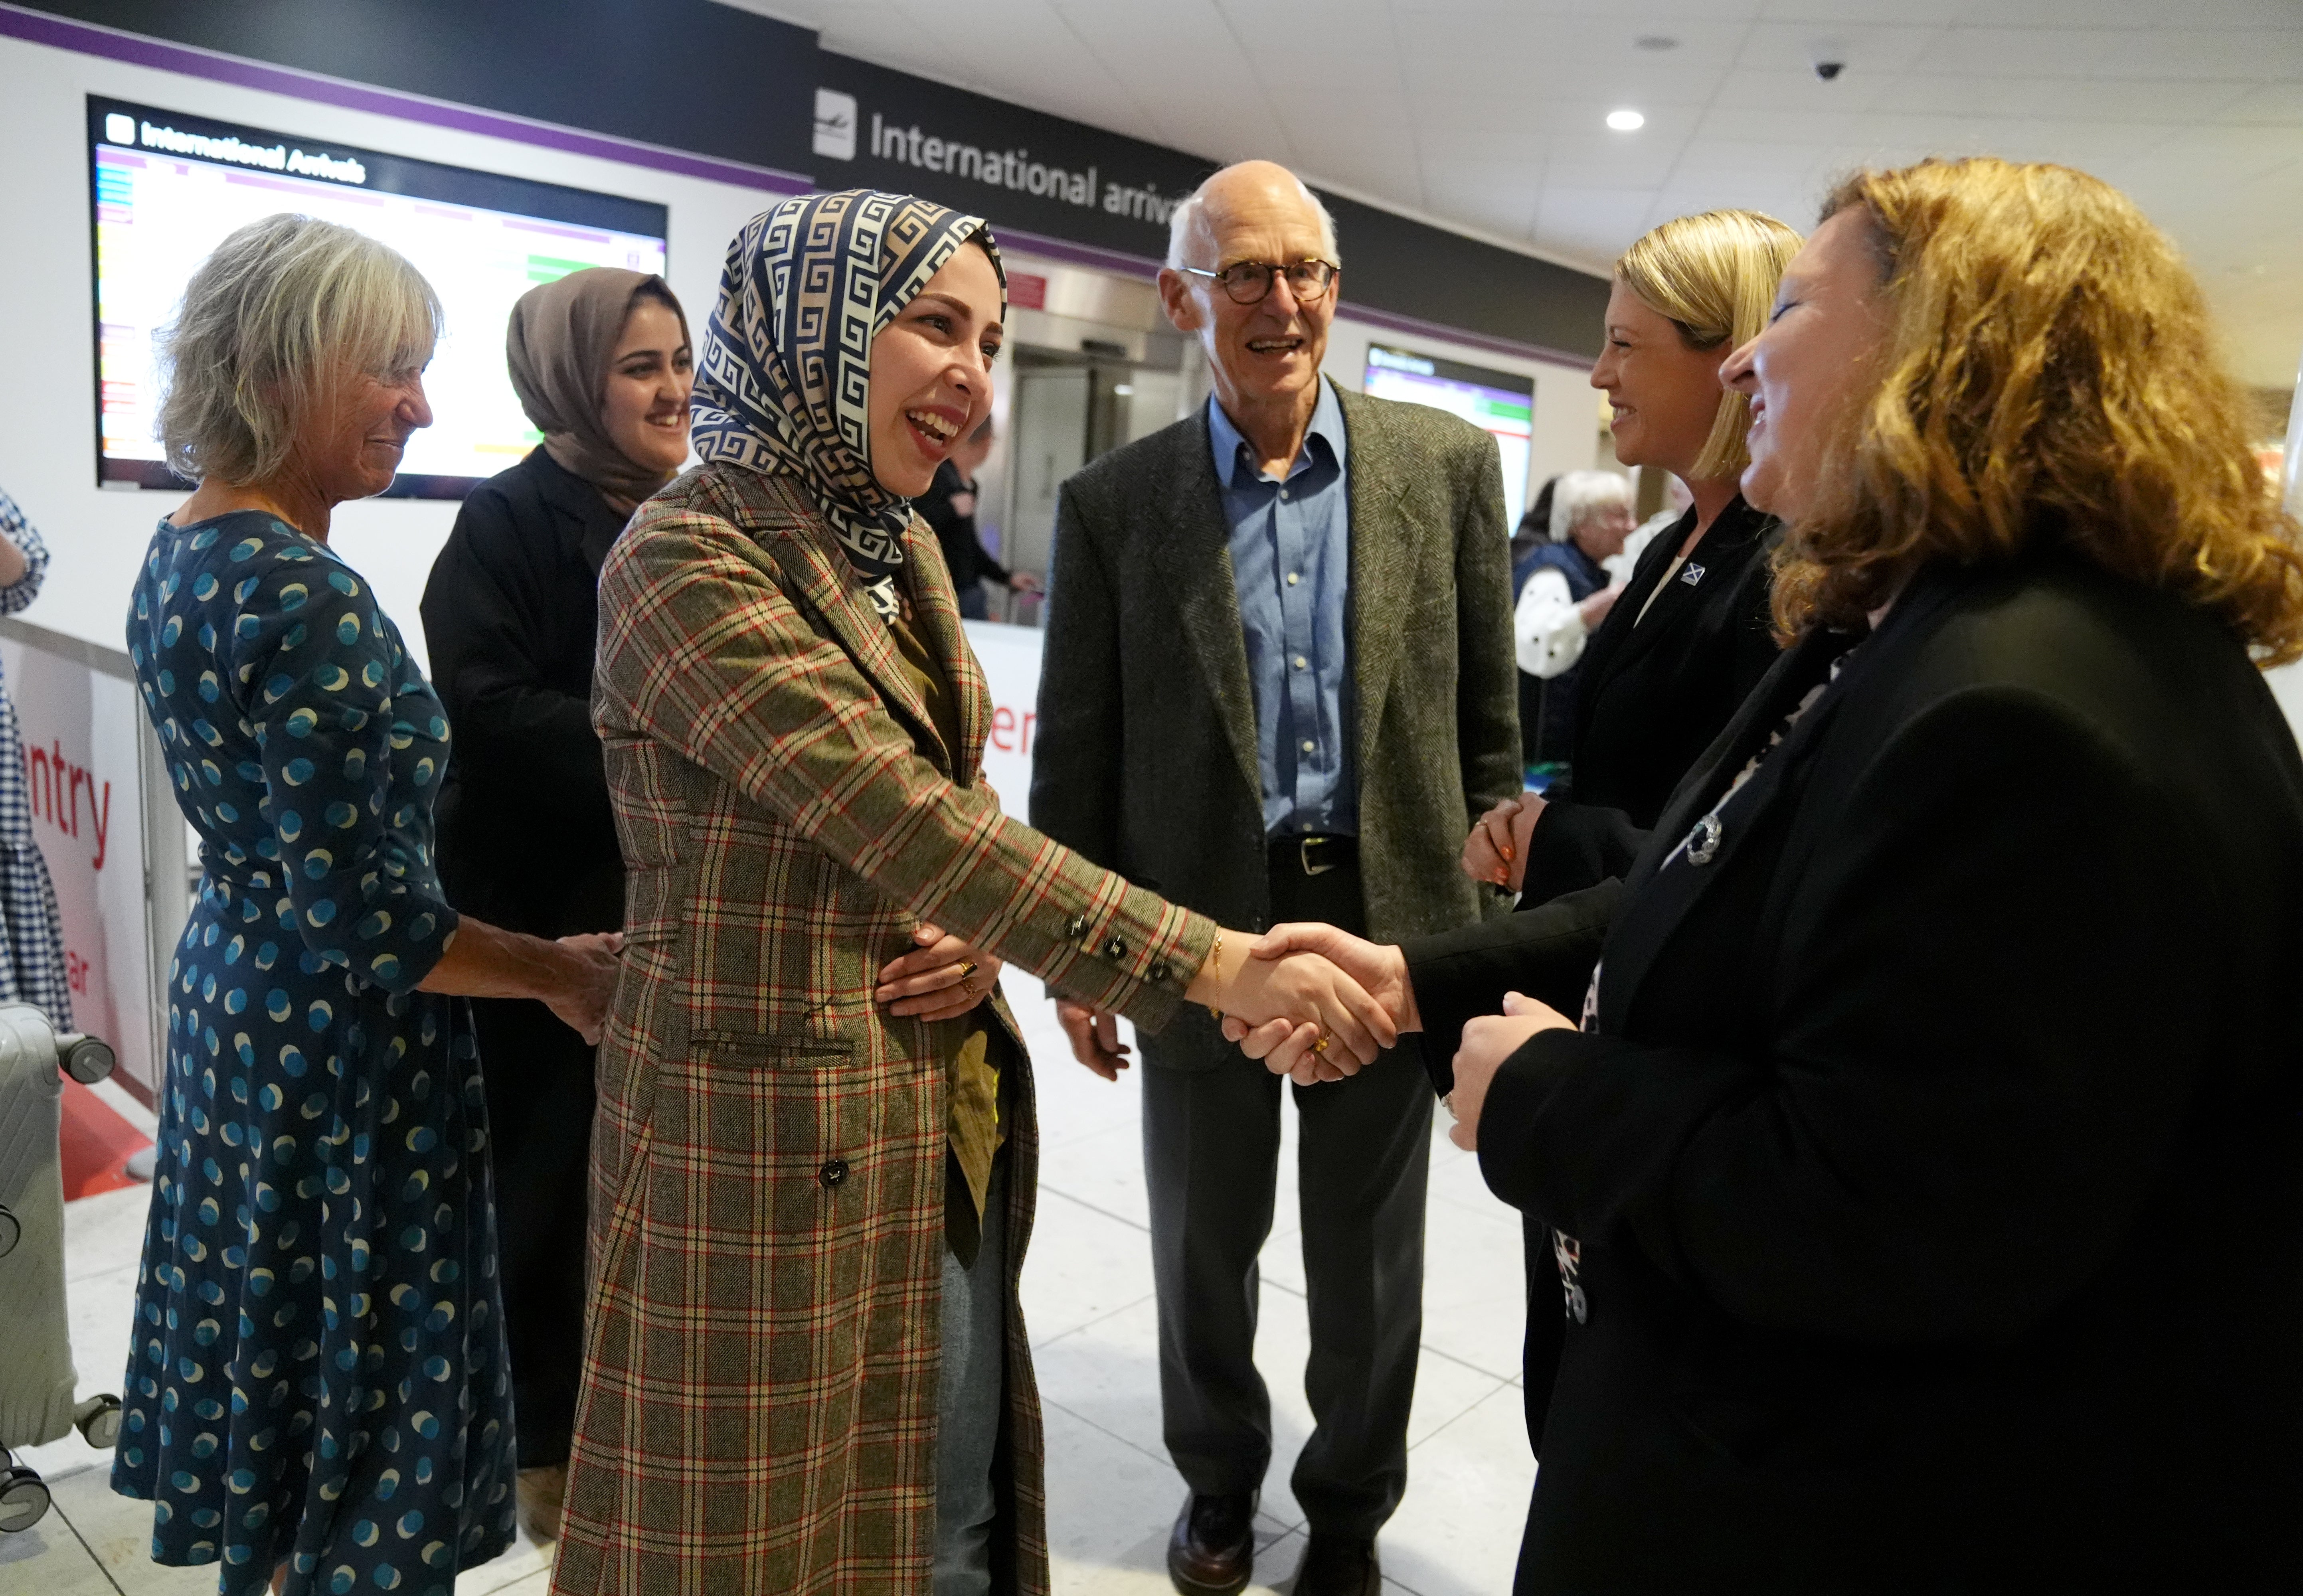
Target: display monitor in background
1499, 402
168, 188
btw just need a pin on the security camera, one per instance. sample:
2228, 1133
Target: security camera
1829, 69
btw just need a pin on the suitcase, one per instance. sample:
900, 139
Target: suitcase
37, 1379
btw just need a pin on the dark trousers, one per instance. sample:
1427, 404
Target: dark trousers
538, 1073
1211, 1154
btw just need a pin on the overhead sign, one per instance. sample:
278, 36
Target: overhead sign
876, 128
880, 129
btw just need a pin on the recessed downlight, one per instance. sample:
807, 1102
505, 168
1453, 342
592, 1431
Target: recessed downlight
1626, 121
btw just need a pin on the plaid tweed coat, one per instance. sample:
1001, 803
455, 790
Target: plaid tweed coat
758, 1411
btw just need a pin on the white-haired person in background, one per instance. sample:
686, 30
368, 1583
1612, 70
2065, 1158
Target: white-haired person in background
1570, 585
316, 1392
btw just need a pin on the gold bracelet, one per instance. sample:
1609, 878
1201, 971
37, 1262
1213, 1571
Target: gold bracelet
1215, 963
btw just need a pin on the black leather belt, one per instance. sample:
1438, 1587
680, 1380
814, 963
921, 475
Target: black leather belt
1313, 853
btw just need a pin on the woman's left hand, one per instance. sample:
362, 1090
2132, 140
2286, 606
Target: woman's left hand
1488, 1042
940, 978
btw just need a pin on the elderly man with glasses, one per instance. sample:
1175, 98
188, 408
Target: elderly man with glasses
1278, 685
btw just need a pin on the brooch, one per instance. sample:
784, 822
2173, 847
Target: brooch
1703, 842
1690, 573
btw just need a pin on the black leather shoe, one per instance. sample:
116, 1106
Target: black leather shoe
1338, 1566
1213, 1552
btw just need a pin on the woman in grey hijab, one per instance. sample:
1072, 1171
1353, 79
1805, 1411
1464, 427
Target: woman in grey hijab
600, 360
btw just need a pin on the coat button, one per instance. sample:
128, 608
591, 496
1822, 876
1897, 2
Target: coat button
1077, 928
833, 1172
1115, 949
1160, 972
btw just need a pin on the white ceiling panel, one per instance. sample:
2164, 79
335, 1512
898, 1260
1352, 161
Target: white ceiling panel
2072, 99
1922, 12
1489, 113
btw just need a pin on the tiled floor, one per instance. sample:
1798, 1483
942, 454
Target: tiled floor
1087, 1294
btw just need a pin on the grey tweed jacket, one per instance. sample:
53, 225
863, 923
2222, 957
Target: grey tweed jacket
1145, 754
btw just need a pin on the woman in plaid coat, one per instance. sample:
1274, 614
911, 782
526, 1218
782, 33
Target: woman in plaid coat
814, 1161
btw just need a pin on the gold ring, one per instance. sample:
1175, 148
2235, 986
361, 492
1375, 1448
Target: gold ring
967, 970
967, 984
1319, 1046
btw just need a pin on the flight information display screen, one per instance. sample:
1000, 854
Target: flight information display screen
168, 188
1501, 403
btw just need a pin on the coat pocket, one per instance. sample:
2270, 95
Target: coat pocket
720, 1049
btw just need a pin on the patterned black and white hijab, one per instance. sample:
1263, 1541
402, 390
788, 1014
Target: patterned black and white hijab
783, 380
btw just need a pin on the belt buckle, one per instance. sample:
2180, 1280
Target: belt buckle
1303, 851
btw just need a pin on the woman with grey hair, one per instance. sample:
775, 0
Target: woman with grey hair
316, 1392
1568, 592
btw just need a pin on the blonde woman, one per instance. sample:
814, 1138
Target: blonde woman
1662, 662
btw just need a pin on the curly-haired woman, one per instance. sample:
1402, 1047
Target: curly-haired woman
1928, 1166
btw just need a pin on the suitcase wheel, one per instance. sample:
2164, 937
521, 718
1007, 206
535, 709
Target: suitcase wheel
98, 1419
23, 1499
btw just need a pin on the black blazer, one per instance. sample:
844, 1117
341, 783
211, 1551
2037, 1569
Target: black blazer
1937, 1163
512, 617
1651, 696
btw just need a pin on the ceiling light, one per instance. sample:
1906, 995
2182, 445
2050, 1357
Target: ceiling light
1654, 41
1626, 122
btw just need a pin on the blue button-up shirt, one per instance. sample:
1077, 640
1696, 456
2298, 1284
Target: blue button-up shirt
1291, 559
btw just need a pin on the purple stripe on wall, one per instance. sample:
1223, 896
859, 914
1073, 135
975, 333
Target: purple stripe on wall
88, 39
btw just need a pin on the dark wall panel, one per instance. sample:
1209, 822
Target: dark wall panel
686, 74
1395, 263
969, 150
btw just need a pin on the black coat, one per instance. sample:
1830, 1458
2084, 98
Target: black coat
511, 618
1937, 1162
955, 534
1651, 695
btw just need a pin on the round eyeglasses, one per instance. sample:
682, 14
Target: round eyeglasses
1249, 281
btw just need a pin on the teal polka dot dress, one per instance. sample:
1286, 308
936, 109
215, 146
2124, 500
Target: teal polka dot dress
317, 1372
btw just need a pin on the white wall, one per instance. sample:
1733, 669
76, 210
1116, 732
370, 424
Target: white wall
48, 447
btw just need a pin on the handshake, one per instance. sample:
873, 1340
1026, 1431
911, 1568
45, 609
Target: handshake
1317, 1004
1313, 1002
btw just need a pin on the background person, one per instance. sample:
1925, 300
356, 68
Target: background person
1658, 679
1956, 988
1532, 534
816, 1160
31, 930
317, 1376
601, 361
948, 508
1334, 570
1569, 590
